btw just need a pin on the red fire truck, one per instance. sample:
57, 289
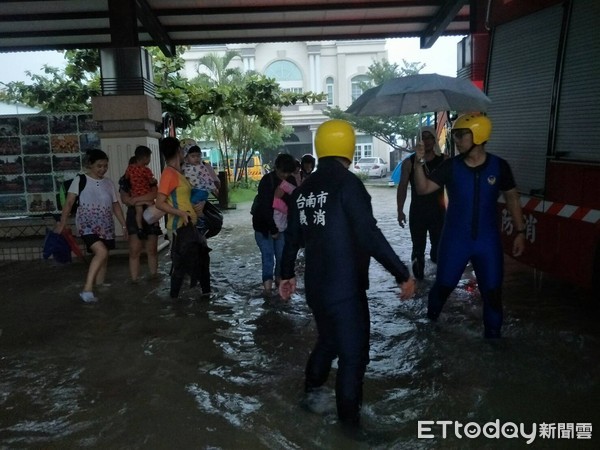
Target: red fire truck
539, 62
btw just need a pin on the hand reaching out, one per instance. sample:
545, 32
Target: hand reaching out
407, 289
287, 288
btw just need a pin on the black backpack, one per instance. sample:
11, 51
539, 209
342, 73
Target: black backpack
125, 184
62, 195
213, 219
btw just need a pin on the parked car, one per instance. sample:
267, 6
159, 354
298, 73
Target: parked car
372, 167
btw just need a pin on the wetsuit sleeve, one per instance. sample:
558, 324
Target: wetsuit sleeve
507, 180
442, 174
357, 205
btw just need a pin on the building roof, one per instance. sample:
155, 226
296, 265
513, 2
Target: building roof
69, 24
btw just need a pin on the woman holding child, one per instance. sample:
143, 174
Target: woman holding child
269, 218
144, 236
175, 198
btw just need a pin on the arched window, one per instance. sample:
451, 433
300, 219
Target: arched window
329, 90
356, 82
287, 74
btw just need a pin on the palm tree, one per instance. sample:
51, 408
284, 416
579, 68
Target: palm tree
216, 68
239, 110
214, 73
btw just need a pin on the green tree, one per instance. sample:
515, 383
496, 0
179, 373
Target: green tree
171, 87
68, 90
241, 111
391, 130
71, 89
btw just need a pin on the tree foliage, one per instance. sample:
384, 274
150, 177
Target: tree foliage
239, 111
71, 89
242, 110
171, 87
68, 90
394, 131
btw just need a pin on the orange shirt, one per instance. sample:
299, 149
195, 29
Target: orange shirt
178, 191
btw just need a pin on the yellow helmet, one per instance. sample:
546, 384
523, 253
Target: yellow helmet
335, 138
480, 126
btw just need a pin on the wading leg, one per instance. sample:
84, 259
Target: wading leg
492, 313
437, 298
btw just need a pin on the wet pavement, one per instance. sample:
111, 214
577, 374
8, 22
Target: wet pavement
226, 372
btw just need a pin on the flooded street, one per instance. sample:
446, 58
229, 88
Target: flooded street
226, 372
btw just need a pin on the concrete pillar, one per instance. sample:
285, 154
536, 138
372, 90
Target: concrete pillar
312, 73
314, 63
313, 131
127, 109
127, 121
318, 81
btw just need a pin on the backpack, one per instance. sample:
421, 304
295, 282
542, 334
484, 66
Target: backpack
125, 184
256, 202
64, 188
213, 219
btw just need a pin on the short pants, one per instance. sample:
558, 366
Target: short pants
132, 228
91, 239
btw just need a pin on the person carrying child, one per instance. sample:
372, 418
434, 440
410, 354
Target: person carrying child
267, 233
198, 174
142, 182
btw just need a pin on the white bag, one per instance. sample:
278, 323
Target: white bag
152, 214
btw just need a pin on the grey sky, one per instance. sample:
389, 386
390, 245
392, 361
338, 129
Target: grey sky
14, 65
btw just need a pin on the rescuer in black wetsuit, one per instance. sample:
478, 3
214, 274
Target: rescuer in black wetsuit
426, 214
474, 180
331, 214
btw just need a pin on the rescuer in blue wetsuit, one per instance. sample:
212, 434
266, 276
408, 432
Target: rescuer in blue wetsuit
474, 180
331, 214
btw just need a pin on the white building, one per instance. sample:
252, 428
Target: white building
333, 67
12, 109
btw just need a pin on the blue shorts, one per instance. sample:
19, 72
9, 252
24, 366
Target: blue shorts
199, 195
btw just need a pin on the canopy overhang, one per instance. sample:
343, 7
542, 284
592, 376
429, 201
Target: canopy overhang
70, 24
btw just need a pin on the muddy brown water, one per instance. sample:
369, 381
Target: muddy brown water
226, 372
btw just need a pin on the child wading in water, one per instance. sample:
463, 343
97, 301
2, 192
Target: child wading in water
142, 182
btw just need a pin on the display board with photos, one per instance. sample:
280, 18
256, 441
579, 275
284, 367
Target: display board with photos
38, 153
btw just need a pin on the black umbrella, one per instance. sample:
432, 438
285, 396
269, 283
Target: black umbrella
421, 93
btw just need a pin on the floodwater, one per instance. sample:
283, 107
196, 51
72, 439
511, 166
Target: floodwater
226, 372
